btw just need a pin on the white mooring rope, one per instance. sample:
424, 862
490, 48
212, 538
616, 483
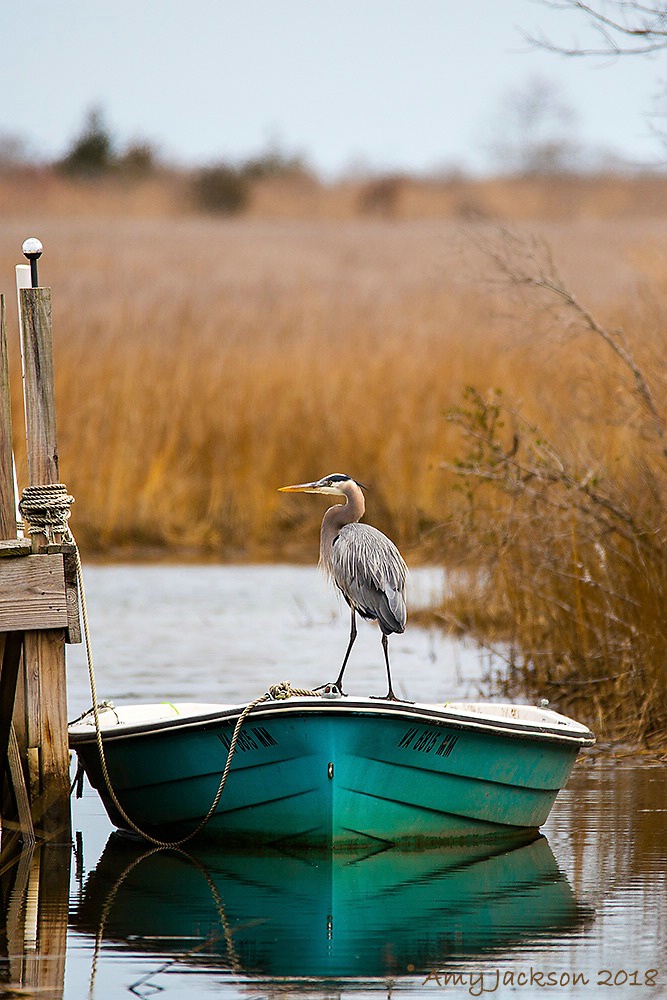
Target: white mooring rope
46, 510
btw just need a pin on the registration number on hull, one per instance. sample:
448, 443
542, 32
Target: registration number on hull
428, 741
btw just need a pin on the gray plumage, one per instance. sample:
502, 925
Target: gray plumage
369, 571
361, 561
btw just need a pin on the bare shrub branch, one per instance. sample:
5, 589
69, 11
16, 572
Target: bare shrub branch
531, 265
572, 536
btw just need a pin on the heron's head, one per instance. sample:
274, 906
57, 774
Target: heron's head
336, 484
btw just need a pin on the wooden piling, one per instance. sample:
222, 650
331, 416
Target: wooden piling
47, 747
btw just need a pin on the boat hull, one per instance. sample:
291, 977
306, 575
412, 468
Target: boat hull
316, 773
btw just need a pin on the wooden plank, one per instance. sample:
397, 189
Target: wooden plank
73, 633
65, 547
12, 547
33, 593
20, 791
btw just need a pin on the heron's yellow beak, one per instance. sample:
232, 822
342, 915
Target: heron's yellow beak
300, 488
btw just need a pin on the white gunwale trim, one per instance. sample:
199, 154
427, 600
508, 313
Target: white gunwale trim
551, 728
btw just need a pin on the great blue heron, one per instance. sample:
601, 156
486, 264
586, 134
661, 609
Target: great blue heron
363, 563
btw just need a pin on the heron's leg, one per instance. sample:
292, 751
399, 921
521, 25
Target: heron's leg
390, 696
353, 636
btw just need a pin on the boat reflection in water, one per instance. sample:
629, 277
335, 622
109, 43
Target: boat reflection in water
392, 913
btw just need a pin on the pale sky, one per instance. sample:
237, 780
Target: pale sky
385, 84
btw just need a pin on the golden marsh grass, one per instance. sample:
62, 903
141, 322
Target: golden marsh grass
190, 388
202, 363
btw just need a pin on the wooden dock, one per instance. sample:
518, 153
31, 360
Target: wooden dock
38, 615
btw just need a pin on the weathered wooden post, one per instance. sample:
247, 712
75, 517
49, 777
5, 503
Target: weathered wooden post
44, 650
36, 606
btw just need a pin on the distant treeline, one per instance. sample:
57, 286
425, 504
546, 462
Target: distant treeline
538, 181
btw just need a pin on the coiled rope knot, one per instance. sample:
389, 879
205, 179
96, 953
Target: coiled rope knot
46, 510
283, 690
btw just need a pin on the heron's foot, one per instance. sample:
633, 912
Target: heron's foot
390, 696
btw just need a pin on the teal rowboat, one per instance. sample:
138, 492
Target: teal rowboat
339, 771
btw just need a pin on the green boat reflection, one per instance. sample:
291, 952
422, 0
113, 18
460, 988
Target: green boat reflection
330, 915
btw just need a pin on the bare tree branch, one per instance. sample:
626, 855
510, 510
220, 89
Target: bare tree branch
627, 20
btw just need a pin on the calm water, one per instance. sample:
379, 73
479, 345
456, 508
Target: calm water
580, 911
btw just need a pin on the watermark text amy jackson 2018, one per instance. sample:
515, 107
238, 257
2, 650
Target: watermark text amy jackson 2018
479, 983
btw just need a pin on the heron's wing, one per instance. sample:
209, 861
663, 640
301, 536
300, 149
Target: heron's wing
371, 573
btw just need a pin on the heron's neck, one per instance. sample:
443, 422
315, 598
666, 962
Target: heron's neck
343, 513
